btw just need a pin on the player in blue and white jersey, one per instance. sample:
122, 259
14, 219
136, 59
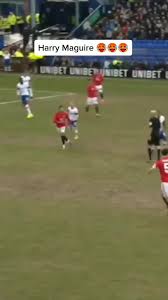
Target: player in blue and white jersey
27, 80
73, 115
23, 92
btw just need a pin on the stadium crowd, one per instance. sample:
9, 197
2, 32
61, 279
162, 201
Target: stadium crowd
15, 23
133, 19
128, 19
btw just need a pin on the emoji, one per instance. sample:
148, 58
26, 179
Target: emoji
123, 47
112, 47
101, 47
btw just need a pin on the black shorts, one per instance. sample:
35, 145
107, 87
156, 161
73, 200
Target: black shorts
154, 140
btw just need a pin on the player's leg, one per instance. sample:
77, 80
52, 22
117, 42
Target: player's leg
165, 201
157, 144
101, 93
25, 102
29, 113
5, 66
95, 103
76, 137
150, 149
158, 153
163, 138
164, 193
9, 68
88, 103
64, 140
97, 110
63, 136
76, 131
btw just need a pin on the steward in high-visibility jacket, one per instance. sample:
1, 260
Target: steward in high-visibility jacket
12, 21
18, 54
28, 19
20, 22
1, 54
5, 24
34, 61
32, 57
1, 23
37, 18
117, 62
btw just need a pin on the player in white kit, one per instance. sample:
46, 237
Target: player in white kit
23, 92
163, 135
73, 115
27, 80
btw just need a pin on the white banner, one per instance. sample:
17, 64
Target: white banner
83, 47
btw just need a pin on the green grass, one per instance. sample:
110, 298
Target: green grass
86, 223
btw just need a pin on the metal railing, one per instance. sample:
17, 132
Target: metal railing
72, 33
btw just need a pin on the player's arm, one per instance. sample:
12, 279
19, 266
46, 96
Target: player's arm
150, 123
154, 167
30, 82
55, 121
17, 90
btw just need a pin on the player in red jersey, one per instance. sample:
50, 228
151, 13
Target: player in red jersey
98, 80
162, 166
61, 121
92, 98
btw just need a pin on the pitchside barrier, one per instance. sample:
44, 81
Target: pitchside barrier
109, 73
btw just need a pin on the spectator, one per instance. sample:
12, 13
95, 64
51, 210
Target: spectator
134, 19
106, 64
7, 61
12, 22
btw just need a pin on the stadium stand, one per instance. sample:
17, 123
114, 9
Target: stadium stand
128, 19
143, 21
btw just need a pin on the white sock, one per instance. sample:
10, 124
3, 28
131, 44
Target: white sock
28, 109
76, 131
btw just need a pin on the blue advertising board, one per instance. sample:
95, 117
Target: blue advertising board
151, 52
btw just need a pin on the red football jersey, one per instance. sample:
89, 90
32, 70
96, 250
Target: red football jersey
92, 91
98, 79
61, 119
162, 165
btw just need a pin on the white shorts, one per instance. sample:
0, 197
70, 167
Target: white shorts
99, 88
92, 101
61, 130
164, 189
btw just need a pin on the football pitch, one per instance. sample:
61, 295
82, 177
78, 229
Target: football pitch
86, 223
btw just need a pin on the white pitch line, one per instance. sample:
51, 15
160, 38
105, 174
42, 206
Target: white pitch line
39, 98
9, 102
38, 91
